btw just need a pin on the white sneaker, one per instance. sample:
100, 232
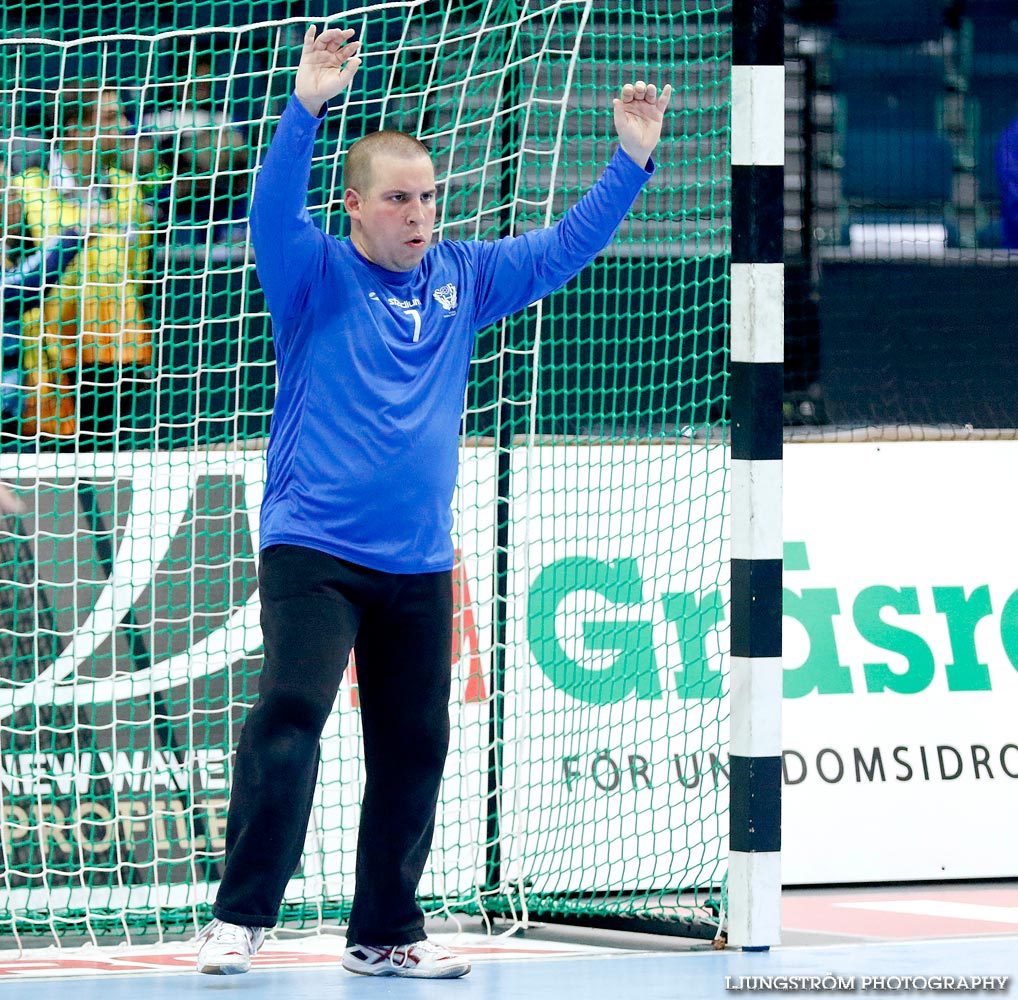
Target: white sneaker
226, 949
420, 960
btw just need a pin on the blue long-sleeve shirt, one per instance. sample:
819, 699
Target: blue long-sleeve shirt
1007, 174
372, 364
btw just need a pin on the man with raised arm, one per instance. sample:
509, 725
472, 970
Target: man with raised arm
373, 336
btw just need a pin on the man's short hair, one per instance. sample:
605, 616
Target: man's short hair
389, 142
78, 104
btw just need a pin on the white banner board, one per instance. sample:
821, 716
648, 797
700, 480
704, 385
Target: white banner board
901, 661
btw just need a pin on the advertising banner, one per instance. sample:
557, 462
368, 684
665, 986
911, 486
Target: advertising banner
129, 624
901, 661
131, 647
129, 617
616, 699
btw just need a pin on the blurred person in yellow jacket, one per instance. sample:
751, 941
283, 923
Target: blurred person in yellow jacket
24, 283
85, 350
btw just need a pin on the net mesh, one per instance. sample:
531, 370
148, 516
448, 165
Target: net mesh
588, 772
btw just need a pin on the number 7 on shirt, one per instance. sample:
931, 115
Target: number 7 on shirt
417, 323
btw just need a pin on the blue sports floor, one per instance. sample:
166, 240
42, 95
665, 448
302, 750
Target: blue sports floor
921, 940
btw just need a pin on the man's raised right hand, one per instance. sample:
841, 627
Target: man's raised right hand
328, 62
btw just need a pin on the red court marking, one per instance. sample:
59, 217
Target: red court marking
823, 914
36, 967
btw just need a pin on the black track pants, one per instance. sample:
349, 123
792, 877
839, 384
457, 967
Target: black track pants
314, 609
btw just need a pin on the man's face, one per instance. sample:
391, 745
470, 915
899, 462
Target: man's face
201, 86
103, 130
392, 221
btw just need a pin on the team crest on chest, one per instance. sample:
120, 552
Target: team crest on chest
446, 297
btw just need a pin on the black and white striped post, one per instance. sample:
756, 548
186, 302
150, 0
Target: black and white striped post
756, 377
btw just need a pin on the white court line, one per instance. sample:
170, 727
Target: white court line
179, 958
